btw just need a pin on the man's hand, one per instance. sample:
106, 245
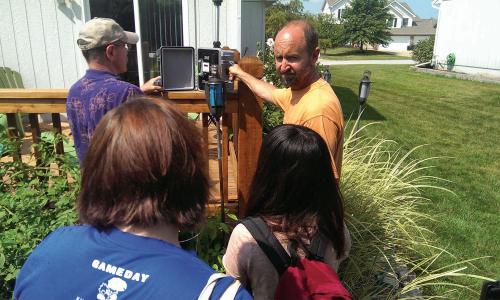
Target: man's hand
149, 87
234, 71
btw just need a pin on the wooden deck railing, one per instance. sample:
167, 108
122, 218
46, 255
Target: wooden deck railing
243, 116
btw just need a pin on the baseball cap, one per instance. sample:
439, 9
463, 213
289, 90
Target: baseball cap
99, 32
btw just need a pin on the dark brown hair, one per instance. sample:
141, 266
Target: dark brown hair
144, 165
310, 34
294, 187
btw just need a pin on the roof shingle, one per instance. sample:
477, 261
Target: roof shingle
420, 27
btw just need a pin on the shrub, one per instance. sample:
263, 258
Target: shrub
33, 202
450, 59
393, 255
423, 50
272, 115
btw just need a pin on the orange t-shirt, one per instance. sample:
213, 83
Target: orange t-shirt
316, 107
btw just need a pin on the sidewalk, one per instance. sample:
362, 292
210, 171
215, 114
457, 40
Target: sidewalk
367, 62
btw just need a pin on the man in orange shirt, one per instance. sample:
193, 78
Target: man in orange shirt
308, 100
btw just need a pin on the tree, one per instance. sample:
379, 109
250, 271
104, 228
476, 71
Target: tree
281, 13
366, 22
330, 33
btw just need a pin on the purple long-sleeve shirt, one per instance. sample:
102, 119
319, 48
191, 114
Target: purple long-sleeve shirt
89, 99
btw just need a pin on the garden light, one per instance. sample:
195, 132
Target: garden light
326, 75
364, 90
364, 87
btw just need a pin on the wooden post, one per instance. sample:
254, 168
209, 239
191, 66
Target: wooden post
204, 121
56, 123
249, 130
225, 158
13, 134
36, 136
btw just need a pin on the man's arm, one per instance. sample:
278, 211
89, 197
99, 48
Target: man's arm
261, 88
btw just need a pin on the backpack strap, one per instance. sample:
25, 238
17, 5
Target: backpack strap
317, 248
268, 243
228, 294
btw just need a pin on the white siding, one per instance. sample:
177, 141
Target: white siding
334, 10
469, 29
202, 24
38, 37
38, 41
7, 37
1, 54
241, 24
252, 26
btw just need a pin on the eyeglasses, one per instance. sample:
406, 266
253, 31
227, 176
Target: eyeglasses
125, 45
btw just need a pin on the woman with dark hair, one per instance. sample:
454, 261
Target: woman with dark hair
143, 180
295, 193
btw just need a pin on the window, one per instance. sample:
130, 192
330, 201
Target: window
340, 13
405, 22
395, 22
123, 13
161, 25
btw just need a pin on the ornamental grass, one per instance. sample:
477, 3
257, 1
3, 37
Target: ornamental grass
392, 255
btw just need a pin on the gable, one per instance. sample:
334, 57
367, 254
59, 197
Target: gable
401, 10
333, 5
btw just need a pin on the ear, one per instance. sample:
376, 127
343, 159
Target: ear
110, 51
315, 55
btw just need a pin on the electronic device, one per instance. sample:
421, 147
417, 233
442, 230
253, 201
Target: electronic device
179, 72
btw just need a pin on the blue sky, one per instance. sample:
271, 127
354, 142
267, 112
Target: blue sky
422, 8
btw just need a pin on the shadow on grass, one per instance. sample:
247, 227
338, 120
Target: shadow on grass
350, 105
357, 52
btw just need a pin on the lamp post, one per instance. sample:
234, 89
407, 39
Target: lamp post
364, 90
326, 75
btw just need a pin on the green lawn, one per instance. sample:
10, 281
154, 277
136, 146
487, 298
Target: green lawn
344, 53
457, 120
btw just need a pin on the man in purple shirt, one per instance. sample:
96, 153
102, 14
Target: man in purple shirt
104, 45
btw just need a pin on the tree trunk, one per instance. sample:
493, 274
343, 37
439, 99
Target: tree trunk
361, 47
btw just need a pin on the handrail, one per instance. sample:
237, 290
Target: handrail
243, 115
54, 101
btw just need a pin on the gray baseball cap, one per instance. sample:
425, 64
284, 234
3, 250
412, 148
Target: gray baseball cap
100, 32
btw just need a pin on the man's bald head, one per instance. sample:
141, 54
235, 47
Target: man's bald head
310, 34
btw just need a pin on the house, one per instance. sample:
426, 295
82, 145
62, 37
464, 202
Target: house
468, 30
405, 26
38, 38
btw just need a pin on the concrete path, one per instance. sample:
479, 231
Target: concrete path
367, 62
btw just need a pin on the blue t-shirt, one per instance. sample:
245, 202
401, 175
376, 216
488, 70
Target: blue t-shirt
89, 99
80, 262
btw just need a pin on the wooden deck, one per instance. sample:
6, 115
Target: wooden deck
242, 117
213, 167
27, 157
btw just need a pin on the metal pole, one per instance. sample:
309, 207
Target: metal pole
217, 4
217, 24
221, 176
